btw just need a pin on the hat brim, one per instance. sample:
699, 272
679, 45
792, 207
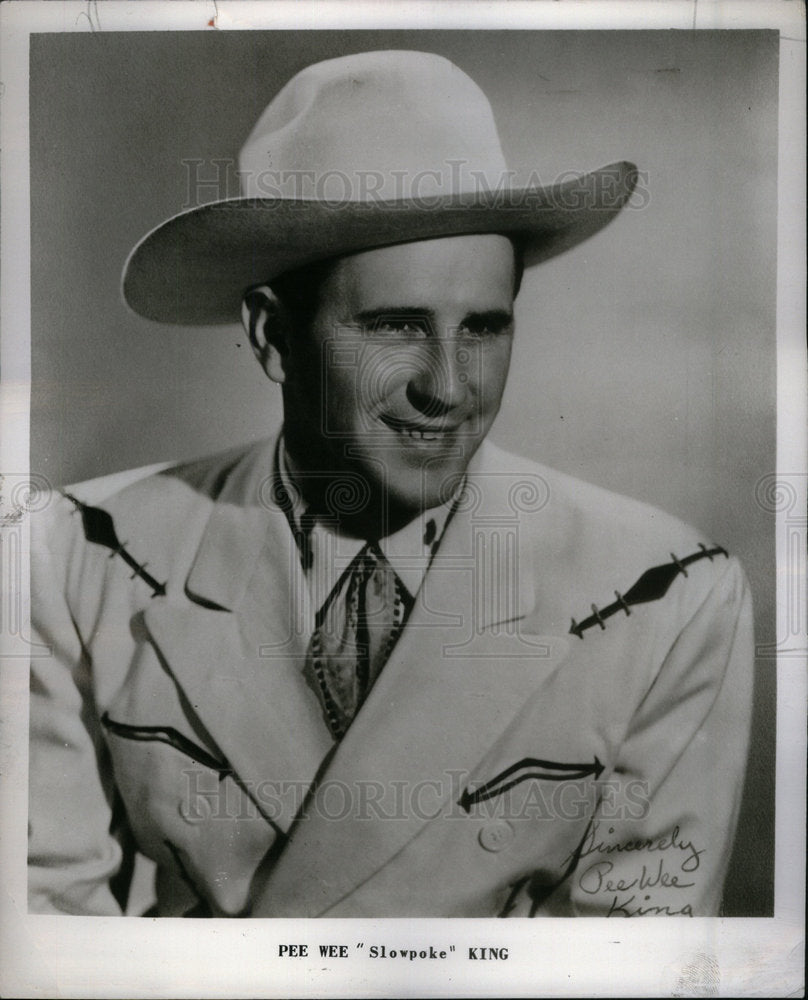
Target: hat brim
195, 267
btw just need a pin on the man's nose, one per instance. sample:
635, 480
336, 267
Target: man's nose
440, 380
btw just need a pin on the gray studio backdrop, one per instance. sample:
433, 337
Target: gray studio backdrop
644, 360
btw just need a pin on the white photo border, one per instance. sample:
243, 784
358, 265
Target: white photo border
101, 957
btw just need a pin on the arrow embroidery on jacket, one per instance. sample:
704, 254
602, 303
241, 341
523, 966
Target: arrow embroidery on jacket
525, 769
169, 735
100, 528
651, 586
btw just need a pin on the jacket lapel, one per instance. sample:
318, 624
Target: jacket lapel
458, 676
237, 648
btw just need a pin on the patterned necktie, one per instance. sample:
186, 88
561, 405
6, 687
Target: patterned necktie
354, 634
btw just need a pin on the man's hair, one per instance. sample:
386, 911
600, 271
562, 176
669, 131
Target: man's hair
299, 289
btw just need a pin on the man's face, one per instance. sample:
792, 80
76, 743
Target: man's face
401, 373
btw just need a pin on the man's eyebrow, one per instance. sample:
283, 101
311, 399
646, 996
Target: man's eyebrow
492, 318
371, 317
496, 318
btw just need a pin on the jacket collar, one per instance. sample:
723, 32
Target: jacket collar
243, 515
487, 517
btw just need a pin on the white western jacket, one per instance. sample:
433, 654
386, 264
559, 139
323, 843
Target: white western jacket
546, 738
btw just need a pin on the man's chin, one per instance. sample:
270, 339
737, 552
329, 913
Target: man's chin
395, 489
432, 488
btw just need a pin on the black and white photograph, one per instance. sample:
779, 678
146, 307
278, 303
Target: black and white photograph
413, 517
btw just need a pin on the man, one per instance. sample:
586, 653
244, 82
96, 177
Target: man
374, 666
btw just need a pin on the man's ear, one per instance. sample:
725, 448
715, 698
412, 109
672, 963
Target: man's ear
266, 322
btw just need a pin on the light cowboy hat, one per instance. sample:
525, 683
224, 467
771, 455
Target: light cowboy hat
354, 153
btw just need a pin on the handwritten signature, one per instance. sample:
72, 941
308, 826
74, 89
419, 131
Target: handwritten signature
631, 886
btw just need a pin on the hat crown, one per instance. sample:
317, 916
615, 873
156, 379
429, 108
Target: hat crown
354, 153
377, 125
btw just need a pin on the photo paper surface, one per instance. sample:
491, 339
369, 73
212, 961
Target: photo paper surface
410, 488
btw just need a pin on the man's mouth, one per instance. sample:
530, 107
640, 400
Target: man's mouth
417, 435
419, 431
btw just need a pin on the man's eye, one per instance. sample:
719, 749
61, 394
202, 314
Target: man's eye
411, 329
479, 330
